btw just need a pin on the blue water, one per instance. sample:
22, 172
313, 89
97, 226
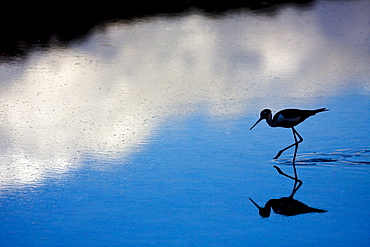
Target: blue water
128, 138
190, 187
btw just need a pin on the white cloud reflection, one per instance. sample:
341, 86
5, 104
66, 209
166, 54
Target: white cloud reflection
109, 93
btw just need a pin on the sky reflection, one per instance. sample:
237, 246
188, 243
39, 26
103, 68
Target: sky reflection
110, 92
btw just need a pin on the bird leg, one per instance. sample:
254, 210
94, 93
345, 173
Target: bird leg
297, 181
296, 143
295, 133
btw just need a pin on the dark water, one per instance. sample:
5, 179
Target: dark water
138, 133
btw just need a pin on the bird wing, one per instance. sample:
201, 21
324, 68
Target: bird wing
287, 118
290, 113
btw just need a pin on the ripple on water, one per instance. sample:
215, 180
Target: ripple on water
338, 157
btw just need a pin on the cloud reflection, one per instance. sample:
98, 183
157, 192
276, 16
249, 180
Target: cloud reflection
109, 93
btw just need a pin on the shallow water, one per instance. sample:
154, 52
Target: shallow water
138, 133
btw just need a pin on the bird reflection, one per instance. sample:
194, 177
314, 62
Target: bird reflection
287, 206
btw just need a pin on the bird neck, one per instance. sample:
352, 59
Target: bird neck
269, 203
266, 211
269, 120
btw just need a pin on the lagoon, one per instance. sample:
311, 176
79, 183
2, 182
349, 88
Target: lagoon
137, 133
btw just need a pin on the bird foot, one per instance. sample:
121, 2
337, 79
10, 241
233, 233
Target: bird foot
279, 170
277, 156
279, 153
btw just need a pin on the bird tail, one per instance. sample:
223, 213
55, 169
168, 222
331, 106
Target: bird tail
319, 110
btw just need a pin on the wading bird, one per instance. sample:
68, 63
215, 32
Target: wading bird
286, 205
287, 118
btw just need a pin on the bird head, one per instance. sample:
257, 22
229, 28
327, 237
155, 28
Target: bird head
265, 114
264, 212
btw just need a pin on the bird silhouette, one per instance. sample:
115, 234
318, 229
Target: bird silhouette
288, 118
287, 206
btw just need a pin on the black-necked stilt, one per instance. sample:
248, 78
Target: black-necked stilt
287, 118
286, 205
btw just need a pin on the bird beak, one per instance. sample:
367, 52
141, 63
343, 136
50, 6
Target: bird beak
255, 204
259, 120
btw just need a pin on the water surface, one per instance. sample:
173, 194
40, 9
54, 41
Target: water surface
137, 134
